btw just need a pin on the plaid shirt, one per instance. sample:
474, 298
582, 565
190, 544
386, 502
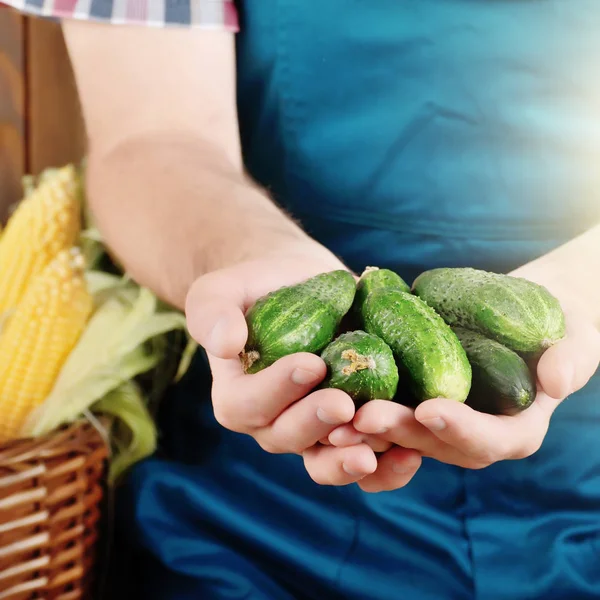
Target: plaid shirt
206, 14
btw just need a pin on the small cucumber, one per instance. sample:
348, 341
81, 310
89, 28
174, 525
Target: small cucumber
298, 318
362, 365
335, 288
502, 382
374, 278
426, 349
518, 313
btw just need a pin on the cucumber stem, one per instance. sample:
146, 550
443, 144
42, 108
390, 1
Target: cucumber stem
249, 358
358, 362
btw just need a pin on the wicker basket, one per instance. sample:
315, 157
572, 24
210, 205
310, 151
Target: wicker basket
51, 495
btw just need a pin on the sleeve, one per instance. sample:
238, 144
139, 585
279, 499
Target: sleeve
203, 14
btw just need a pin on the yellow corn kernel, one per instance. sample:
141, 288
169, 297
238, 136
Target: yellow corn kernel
45, 222
39, 336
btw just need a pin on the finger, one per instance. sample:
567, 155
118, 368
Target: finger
394, 470
379, 416
347, 435
245, 403
568, 365
307, 421
395, 423
328, 465
482, 437
214, 312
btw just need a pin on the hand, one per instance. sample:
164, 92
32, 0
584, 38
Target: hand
454, 433
276, 406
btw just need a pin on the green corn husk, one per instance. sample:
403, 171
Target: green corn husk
92, 247
132, 433
121, 341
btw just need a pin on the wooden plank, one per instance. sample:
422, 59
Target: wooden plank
12, 108
55, 133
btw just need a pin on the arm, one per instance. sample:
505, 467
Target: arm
168, 192
165, 179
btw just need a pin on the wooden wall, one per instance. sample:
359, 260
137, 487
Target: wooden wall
12, 106
40, 121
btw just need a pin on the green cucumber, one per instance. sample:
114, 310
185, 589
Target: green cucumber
374, 278
426, 349
502, 382
518, 313
362, 365
335, 288
299, 318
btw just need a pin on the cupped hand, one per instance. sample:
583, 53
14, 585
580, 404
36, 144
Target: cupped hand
276, 406
454, 433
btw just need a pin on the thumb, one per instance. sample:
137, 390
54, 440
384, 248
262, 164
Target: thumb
567, 367
214, 310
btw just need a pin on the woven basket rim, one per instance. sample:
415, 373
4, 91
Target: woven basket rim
52, 489
16, 450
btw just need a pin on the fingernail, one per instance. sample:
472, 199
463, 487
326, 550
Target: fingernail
435, 424
304, 377
348, 470
325, 417
382, 430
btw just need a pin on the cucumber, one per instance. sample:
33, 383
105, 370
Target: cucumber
362, 365
335, 288
426, 350
502, 382
374, 278
520, 314
298, 318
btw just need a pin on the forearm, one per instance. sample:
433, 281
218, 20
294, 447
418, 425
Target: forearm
172, 208
572, 273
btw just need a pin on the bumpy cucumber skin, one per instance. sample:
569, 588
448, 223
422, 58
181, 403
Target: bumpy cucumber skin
336, 288
502, 382
299, 318
362, 365
424, 346
521, 315
375, 278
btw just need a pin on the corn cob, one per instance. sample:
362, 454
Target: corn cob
45, 222
39, 336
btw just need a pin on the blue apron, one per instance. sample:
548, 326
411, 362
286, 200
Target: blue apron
406, 134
